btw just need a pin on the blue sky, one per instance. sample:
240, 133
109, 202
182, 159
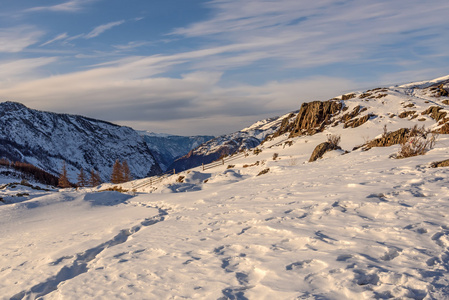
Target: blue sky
211, 67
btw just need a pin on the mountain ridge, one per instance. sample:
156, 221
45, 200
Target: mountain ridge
47, 139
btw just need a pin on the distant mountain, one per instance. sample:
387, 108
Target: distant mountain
167, 148
228, 144
47, 139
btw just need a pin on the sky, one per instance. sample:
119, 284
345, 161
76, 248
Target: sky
192, 67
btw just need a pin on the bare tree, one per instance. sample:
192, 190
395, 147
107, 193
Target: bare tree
82, 180
95, 179
117, 173
63, 181
126, 172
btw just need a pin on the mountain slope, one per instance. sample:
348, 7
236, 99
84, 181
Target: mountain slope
229, 144
167, 148
47, 139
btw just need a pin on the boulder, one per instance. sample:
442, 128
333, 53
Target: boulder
322, 148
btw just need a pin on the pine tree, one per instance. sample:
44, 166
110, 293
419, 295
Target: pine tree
63, 181
126, 172
82, 180
95, 179
117, 173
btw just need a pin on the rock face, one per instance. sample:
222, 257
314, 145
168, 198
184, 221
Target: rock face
312, 117
322, 148
47, 139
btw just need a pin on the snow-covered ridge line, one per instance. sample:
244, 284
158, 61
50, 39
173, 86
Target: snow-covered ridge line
425, 83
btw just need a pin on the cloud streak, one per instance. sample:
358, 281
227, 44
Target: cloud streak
59, 37
16, 39
68, 7
323, 32
102, 28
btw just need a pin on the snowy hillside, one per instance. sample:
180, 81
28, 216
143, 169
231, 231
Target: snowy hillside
268, 224
166, 148
228, 144
47, 139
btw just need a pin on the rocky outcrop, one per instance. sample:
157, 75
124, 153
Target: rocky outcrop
443, 129
439, 164
405, 114
442, 92
435, 113
353, 123
389, 139
286, 126
312, 117
322, 148
347, 96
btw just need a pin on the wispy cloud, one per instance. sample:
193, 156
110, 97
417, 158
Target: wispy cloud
102, 28
69, 6
314, 33
167, 101
130, 45
56, 38
18, 70
15, 39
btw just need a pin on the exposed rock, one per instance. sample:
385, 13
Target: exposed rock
405, 114
438, 164
442, 91
358, 121
391, 138
322, 148
443, 129
346, 117
347, 96
313, 116
286, 126
264, 171
446, 102
434, 112
365, 95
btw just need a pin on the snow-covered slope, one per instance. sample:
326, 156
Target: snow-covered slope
47, 139
167, 148
228, 144
356, 224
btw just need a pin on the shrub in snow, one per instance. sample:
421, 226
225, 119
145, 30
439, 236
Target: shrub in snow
418, 142
333, 140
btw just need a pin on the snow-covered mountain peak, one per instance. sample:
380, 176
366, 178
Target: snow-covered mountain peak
10, 105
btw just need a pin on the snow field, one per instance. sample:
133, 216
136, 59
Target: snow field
359, 225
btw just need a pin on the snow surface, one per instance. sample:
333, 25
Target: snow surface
362, 225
